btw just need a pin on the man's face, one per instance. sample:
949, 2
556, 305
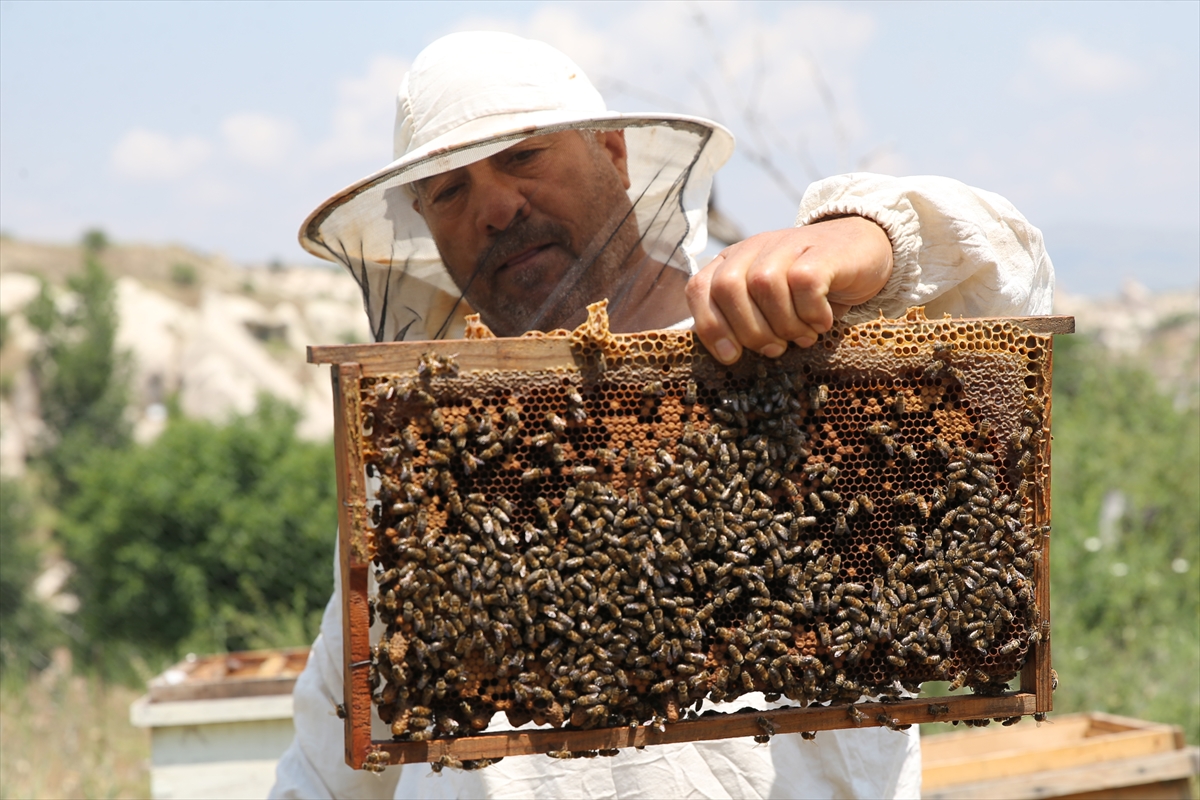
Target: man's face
550, 210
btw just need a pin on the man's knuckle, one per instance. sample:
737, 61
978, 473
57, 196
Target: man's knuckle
724, 284
803, 278
761, 282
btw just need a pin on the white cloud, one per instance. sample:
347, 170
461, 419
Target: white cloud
258, 139
1075, 66
152, 156
364, 115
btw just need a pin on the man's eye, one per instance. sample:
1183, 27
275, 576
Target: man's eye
447, 193
525, 156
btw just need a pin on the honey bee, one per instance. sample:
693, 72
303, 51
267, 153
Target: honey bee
937, 709
815, 502
922, 506
689, 395
376, 761
888, 722
446, 761
818, 396
653, 389
808, 735
856, 716
556, 423
532, 475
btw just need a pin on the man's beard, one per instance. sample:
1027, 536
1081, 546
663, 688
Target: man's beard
591, 275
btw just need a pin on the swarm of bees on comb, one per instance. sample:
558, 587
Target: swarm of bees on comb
615, 544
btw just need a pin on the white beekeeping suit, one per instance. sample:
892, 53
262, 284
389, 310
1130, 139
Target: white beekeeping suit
956, 249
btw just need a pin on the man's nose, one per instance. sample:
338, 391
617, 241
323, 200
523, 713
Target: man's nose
498, 199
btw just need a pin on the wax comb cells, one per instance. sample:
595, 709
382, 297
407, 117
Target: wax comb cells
612, 544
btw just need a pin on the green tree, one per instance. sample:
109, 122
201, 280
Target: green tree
82, 380
94, 241
27, 631
211, 537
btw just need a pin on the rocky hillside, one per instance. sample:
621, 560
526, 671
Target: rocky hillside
216, 334
198, 327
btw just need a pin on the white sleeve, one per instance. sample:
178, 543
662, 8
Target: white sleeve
957, 250
314, 766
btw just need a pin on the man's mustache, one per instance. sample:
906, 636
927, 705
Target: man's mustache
522, 235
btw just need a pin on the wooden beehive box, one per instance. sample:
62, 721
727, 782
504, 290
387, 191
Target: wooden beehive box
219, 724
1074, 756
604, 534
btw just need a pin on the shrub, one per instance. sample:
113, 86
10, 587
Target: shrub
210, 538
1126, 541
183, 274
27, 629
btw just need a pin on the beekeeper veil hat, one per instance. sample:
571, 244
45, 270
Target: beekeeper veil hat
467, 97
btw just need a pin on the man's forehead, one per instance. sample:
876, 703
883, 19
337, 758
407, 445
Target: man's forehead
544, 138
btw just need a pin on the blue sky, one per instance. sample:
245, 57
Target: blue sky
221, 125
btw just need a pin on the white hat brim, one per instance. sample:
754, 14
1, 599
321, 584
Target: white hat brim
483, 137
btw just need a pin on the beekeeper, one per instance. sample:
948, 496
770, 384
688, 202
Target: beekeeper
515, 193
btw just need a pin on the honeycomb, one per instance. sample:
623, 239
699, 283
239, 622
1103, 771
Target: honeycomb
615, 543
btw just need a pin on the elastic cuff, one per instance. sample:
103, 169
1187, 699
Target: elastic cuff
903, 229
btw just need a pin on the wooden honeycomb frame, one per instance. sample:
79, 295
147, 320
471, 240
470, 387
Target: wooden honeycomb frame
900, 351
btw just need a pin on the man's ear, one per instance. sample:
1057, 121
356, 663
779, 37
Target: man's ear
613, 145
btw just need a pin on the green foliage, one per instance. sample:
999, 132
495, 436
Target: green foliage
94, 241
1126, 542
183, 274
81, 378
211, 537
26, 629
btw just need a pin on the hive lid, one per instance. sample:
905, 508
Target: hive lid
242, 674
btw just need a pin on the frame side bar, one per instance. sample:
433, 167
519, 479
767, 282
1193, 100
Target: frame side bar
356, 651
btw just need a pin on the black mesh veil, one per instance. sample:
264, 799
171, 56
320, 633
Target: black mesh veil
408, 295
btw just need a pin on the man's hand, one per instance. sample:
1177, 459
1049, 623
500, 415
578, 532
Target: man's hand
787, 286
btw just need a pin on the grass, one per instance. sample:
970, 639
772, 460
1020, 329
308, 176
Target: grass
70, 736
